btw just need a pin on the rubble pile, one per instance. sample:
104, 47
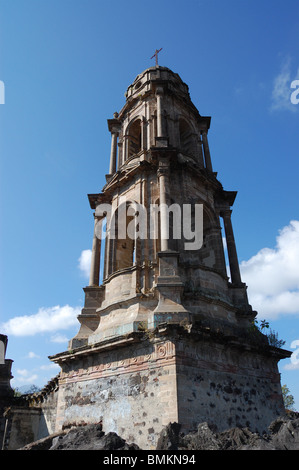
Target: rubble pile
283, 434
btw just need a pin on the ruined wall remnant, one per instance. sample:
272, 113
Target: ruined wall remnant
30, 417
6, 392
175, 375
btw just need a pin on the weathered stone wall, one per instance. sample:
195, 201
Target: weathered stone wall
22, 426
31, 417
226, 386
47, 402
6, 392
136, 385
132, 391
175, 376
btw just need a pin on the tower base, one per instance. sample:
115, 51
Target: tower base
138, 383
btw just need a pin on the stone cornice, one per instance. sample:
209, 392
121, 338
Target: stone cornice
111, 343
171, 332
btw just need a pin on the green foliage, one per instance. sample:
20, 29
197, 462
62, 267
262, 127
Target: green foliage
273, 339
263, 324
272, 336
255, 327
288, 399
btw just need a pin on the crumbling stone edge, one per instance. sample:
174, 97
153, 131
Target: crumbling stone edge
283, 434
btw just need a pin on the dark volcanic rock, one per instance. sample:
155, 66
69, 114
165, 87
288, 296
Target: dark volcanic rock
202, 439
169, 437
91, 437
283, 434
242, 439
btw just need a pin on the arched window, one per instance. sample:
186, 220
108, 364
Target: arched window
210, 253
124, 243
134, 138
124, 253
187, 139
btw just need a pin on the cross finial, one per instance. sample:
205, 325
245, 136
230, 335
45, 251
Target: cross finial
156, 55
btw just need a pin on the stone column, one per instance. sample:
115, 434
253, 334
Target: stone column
113, 153
143, 134
96, 253
231, 248
207, 151
159, 93
148, 124
143, 242
200, 152
162, 174
120, 154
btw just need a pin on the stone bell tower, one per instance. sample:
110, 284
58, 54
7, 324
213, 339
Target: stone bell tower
165, 334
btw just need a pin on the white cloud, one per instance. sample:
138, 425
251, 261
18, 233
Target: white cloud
84, 262
45, 320
59, 339
272, 275
291, 366
23, 372
32, 355
25, 376
50, 367
281, 93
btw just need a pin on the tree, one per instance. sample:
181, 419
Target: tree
288, 399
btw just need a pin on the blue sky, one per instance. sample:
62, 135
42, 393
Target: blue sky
66, 65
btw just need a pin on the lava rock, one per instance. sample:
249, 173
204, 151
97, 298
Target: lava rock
283, 434
91, 437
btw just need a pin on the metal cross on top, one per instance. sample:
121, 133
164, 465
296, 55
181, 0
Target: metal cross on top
156, 55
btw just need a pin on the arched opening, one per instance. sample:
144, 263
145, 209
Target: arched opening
207, 232
207, 251
212, 252
124, 243
187, 140
134, 138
